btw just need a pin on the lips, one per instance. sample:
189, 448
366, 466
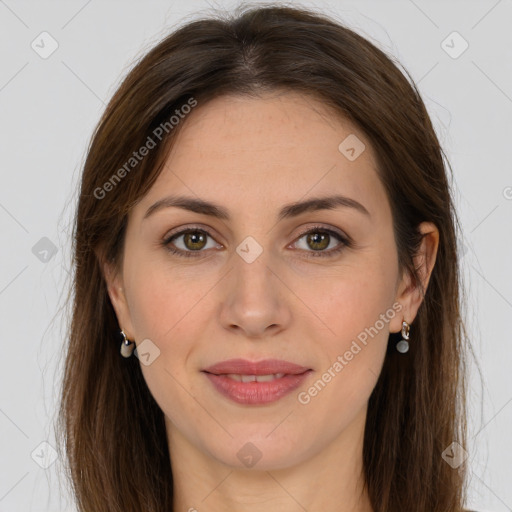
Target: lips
265, 367
256, 382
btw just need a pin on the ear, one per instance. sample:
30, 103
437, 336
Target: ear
409, 293
116, 293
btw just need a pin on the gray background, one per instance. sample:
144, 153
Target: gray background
49, 107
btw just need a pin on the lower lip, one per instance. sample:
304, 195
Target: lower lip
256, 393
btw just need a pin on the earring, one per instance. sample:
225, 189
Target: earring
127, 346
403, 345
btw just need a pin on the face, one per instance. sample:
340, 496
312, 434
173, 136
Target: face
319, 288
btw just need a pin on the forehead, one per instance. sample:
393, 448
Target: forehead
268, 150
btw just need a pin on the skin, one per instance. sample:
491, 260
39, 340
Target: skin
252, 156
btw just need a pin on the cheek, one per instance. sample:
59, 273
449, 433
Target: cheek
355, 310
159, 297
162, 307
349, 304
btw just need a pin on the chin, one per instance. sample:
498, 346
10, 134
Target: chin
262, 450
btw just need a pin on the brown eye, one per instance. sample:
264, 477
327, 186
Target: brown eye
188, 242
318, 241
194, 240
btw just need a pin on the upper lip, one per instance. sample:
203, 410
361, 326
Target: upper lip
264, 367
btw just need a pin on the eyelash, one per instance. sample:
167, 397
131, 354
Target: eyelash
344, 242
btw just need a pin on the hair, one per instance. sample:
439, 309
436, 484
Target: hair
109, 425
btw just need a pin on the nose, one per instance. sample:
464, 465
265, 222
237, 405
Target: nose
255, 299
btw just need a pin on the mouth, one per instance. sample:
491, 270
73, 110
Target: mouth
256, 383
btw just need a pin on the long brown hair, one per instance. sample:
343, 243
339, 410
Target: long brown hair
111, 429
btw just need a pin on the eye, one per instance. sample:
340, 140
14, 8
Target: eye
318, 239
193, 240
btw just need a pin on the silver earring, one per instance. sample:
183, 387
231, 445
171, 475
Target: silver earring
403, 345
127, 346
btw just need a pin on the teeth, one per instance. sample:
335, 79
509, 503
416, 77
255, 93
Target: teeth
253, 378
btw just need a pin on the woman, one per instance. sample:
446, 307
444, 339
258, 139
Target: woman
265, 215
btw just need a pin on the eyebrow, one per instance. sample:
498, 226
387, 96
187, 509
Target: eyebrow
288, 211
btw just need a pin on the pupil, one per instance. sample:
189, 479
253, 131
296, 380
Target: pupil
195, 238
317, 239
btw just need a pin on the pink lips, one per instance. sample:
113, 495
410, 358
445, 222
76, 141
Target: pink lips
254, 393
